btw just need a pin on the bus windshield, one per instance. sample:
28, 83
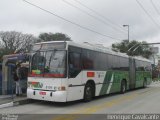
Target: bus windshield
48, 64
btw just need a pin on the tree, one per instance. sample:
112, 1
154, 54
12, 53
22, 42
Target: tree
133, 48
15, 42
54, 37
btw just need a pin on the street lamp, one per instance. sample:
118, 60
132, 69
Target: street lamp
128, 31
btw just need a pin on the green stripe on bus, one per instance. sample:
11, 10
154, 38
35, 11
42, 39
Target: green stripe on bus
106, 82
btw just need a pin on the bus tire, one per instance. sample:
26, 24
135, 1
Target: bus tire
88, 92
144, 83
123, 86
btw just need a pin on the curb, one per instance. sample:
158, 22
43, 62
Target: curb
23, 102
16, 103
10, 104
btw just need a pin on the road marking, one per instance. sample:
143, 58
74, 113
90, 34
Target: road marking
66, 117
108, 104
94, 109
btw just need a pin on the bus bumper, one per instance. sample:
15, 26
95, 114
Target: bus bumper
54, 96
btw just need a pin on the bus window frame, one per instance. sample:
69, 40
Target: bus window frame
65, 66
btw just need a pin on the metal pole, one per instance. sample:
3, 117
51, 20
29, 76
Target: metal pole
128, 33
12, 82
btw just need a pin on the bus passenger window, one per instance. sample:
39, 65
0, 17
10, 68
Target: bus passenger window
74, 64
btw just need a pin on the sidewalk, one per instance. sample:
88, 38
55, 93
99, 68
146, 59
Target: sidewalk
9, 101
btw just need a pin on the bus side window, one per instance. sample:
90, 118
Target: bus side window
74, 64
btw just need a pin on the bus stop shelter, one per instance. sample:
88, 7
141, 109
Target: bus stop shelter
8, 66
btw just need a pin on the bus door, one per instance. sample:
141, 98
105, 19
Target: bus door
74, 68
132, 73
74, 74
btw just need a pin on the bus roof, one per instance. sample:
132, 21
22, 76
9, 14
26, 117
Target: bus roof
96, 47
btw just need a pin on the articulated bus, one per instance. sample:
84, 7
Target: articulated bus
67, 71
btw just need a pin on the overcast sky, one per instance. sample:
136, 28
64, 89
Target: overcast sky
20, 16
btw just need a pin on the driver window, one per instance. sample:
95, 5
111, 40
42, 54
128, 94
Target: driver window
74, 64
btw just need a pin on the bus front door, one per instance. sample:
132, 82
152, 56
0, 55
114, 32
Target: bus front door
74, 77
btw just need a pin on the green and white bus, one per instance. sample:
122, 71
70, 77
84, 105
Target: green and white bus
68, 71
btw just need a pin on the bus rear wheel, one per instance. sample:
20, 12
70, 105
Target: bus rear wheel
123, 87
88, 93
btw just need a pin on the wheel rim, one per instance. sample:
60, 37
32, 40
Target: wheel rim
88, 93
124, 88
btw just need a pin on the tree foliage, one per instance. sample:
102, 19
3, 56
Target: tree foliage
54, 37
15, 42
133, 48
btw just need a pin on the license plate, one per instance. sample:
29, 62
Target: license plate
42, 93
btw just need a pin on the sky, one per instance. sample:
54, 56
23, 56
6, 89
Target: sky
103, 27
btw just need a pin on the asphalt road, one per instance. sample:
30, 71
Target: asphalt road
132, 102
